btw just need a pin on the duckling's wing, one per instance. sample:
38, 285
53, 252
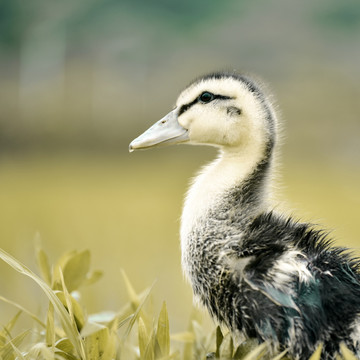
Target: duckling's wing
280, 297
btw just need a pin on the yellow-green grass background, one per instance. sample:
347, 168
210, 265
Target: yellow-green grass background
126, 210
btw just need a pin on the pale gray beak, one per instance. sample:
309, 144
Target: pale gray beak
166, 131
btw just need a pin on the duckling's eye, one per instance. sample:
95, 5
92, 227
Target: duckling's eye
206, 97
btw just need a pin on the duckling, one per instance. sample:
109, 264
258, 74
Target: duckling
260, 273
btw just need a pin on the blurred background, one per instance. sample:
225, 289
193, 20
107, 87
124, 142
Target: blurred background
80, 79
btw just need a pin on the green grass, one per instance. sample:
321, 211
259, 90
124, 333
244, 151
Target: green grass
125, 210
69, 332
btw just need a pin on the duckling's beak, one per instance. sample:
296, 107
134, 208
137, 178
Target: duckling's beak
166, 131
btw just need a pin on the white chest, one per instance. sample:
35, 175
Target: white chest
208, 192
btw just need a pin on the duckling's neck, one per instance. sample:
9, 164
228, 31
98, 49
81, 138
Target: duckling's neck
234, 185
235, 178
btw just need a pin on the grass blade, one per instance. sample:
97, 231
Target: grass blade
134, 298
143, 337
227, 347
18, 353
281, 355
317, 353
257, 352
74, 309
10, 325
346, 353
163, 332
219, 339
33, 316
7, 350
5, 333
136, 313
150, 350
65, 319
50, 326
41, 351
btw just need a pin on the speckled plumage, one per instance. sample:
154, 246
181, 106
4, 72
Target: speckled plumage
261, 274
234, 278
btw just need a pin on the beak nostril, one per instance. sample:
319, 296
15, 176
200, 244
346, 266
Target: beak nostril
163, 122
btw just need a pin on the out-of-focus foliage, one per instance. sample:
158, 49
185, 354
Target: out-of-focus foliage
91, 74
343, 15
70, 333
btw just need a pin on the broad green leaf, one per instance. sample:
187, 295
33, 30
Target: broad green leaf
93, 277
43, 264
65, 345
76, 269
75, 309
317, 353
71, 304
91, 328
163, 331
60, 264
346, 353
65, 319
33, 316
110, 350
96, 343
219, 339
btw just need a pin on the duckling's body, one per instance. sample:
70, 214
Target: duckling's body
261, 274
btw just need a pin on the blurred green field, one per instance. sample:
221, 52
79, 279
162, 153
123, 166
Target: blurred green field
126, 211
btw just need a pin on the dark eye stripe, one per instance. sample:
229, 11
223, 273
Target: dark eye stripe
222, 97
187, 106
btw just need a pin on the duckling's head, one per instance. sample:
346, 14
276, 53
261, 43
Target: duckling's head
226, 110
